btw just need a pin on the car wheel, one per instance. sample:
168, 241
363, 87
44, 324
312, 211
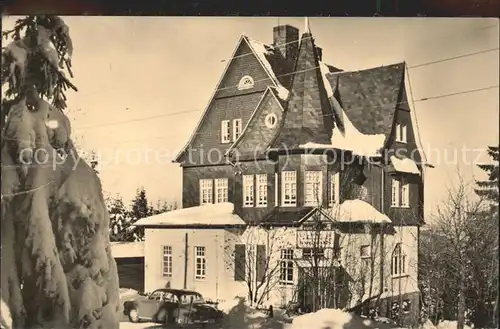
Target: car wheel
133, 316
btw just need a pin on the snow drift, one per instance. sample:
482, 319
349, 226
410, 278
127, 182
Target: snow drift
336, 319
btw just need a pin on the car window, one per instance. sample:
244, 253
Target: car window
156, 294
169, 297
186, 298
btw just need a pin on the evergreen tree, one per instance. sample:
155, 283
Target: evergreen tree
57, 271
489, 188
120, 227
140, 209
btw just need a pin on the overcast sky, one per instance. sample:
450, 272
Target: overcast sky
157, 74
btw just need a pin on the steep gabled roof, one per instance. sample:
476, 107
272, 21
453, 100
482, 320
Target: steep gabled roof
266, 56
370, 97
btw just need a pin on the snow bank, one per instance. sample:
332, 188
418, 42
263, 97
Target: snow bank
207, 215
406, 165
450, 325
357, 211
335, 319
261, 50
5, 317
126, 292
324, 71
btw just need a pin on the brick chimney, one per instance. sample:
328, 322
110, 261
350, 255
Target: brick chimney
286, 39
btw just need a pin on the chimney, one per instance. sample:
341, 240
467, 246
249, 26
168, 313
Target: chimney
319, 51
286, 39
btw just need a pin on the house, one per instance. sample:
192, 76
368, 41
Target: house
321, 164
129, 258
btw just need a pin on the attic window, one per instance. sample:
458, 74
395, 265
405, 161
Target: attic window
271, 120
246, 83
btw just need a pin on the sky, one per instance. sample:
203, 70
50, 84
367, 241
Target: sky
145, 81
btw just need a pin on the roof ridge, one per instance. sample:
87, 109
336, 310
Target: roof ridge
367, 69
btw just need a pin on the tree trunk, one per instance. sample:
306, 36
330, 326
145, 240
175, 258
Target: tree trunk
461, 301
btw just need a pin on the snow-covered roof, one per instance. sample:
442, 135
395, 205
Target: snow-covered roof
218, 214
127, 249
406, 165
349, 137
357, 211
261, 50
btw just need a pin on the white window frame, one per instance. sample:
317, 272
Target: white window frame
261, 190
236, 129
206, 186
366, 254
286, 267
248, 190
167, 261
401, 133
405, 195
289, 184
221, 190
246, 82
334, 188
225, 131
398, 261
313, 184
200, 263
395, 192
276, 189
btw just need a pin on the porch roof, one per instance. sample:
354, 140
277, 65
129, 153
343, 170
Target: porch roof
210, 215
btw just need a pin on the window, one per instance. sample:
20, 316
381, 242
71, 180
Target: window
261, 189
167, 261
246, 83
312, 189
400, 193
200, 263
247, 190
365, 251
401, 133
405, 195
225, 131
395, 193
289, 188
276, 194
398, 261
309, 253
240, 262
206, 191
221, 190
236, 129
334, 188
270, 120
286, 267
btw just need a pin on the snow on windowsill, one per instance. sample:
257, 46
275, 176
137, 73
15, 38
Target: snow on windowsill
261, 51
406, 165
205, 215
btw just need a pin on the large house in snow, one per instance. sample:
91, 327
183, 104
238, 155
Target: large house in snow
302, 182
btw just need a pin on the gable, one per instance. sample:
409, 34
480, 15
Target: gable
244, 62
261, 128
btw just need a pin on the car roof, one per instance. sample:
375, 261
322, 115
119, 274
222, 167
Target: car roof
178, 291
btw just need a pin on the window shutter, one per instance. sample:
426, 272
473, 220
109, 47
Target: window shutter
239, 262
261, 263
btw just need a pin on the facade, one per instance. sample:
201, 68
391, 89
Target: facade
321, 164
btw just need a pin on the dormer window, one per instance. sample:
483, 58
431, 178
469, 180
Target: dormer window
401, 133
246, 83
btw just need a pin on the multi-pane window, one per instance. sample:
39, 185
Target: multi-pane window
225, 131
313, 188
286, 267
206, 191
398, 261
400, 193
401, 133
405, 195
261, 189
289, 188
167, 261
236, 129
221, 190
248, 189
334, 188
200, 263
310, 253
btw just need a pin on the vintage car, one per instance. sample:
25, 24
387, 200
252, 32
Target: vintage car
175, 308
